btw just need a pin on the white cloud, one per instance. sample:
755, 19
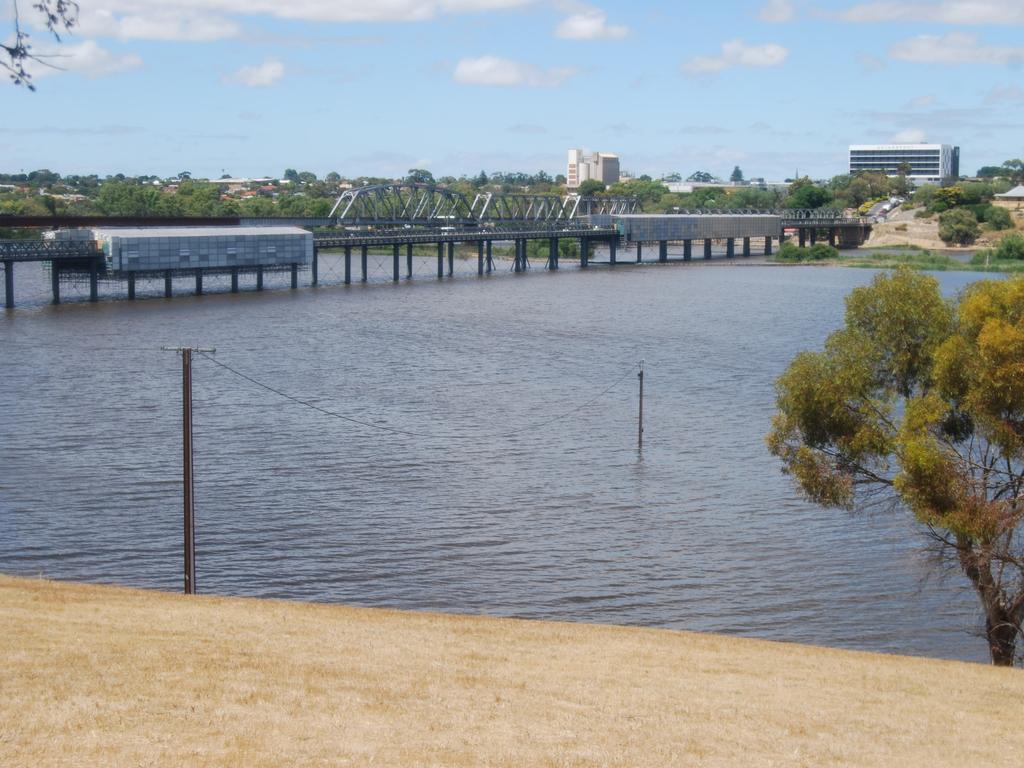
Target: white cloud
590, 24
921, 102
259, 75
736, 53
777, 11
998, 12
954, 48
87, 58
207, 20
909, 136
492, 70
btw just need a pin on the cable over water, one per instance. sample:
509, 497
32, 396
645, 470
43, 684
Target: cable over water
410, 433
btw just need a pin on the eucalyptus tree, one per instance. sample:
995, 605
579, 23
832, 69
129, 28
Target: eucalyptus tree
919, 402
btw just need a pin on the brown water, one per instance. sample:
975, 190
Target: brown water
566, 521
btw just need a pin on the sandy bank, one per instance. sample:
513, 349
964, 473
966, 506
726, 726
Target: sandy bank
110, 677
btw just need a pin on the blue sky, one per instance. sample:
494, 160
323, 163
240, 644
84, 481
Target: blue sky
250, 87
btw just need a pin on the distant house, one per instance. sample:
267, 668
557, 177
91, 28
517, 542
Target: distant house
1014, 199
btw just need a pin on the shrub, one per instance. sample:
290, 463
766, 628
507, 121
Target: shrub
997, 218
958, 227
817, 252
1010, 248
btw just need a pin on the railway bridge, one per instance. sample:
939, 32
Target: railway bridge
401, 217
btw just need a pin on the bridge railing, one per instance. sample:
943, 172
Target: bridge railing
45, 250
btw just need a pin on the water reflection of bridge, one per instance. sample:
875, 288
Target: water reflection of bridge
400, 217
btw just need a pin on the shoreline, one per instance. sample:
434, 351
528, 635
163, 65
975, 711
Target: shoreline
109, 675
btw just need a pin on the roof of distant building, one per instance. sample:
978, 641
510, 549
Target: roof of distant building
1017, 191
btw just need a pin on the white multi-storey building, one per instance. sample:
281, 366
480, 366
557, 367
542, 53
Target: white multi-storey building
600, 166
928, 163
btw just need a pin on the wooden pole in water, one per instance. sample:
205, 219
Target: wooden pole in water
188, 495
640, 426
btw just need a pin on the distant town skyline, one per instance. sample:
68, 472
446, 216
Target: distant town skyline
250, 87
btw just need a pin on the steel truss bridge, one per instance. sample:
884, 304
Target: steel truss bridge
429, 205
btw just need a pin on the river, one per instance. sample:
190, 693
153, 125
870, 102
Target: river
522, 491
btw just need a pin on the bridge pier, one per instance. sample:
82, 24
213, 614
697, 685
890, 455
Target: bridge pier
451, 258
767, 246
259, 277
314, 268
611, 251
663, 251
440, 261
168, 286
832, 236
803, 237
234, 277
396, 263
687, 250
364, 252
348, 264
295, 276
552, 253
707, 248
94, 280
730, 247
746, 246
814, 235
408, 260
639, 252
490, 256
131, 285
199, 282
8, 284
480, 257
584, 253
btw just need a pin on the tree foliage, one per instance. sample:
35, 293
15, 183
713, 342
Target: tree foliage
958, 227
57, 16
920, 401
805, 194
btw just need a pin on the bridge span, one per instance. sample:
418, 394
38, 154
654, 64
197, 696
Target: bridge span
400, 217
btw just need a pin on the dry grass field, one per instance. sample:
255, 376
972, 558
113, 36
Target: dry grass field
102, 676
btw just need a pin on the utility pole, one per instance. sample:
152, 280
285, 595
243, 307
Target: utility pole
186, 462
640, 426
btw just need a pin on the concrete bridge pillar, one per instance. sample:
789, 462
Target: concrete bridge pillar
396, 266
687, 250
767, 246
639, 252
94, 269
259, 278
234, 279
611, 251
553, 253
408, 260
199, 282
746, 246
584, 253
480, 257
730, 248
55, 281
363, 254
131, 286
814, 235
707, 248
832, 236
348, 264
803, 237
295, 276
490, 256
8, 284
315, 267
440, 261
167, 284
451, 258
663, 251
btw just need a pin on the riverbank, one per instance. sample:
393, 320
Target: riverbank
109, 676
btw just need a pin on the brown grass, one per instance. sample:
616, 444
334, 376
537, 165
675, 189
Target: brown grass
102, 676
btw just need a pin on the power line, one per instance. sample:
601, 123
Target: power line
409, 433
